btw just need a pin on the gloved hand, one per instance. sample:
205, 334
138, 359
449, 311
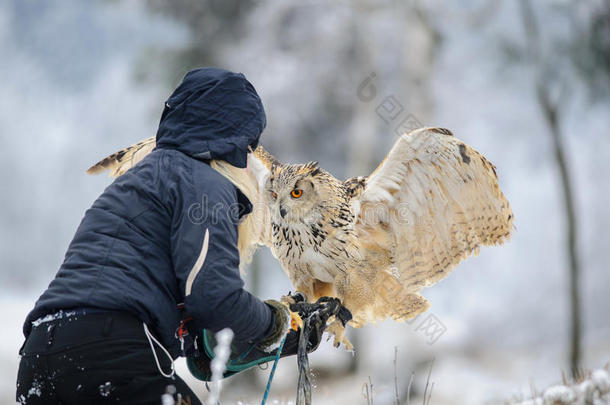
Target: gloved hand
294, 314
297, 302
318, 314
248, 354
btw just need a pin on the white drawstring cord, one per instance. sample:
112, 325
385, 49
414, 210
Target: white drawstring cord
151, 338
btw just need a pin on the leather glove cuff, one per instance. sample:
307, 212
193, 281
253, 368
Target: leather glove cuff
279, 329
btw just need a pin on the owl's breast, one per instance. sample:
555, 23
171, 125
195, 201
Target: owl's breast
305, 261
318, 265
307, 253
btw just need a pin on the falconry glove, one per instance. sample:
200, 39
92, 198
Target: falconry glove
287, 323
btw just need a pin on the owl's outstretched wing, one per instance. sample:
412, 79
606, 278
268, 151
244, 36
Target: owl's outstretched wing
255, 228
432, 202
123, 160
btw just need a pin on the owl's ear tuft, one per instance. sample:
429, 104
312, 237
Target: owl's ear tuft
313, 168
275, 169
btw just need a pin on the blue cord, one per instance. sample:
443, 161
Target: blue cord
277, 358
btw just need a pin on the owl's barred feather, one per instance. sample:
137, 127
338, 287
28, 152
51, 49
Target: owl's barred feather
373, 241
441, 202
123, 160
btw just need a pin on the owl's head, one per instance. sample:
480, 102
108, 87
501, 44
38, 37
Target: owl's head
298, 193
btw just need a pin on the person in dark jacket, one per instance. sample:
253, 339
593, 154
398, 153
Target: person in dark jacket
159, 244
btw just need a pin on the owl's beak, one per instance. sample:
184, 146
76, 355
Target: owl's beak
282, 211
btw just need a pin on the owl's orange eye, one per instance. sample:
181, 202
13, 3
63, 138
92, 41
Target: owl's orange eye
274, 194
296, 193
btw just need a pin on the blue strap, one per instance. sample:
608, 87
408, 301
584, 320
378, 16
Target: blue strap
277, 358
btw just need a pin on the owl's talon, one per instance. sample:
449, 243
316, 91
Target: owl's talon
337, 330
299, 296
346, 343
292, 299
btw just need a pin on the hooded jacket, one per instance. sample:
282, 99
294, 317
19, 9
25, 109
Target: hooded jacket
165, 232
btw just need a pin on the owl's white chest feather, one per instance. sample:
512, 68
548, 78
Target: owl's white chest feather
318, 265
301, 254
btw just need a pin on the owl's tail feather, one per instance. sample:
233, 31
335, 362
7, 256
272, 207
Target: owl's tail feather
123, 160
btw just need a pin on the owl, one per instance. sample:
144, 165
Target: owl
373, 242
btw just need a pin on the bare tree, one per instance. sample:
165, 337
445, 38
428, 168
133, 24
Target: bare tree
550, 107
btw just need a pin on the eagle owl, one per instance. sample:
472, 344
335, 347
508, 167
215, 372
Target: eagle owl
374, 242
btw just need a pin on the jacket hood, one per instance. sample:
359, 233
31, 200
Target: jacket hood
213, 114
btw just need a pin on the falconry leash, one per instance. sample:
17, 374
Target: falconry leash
323, 310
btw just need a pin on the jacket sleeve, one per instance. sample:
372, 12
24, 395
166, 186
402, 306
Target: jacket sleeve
206, 260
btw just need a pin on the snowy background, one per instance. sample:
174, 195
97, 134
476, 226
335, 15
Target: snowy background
83, 79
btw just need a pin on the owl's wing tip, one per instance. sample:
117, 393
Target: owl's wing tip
119, 162
95, 169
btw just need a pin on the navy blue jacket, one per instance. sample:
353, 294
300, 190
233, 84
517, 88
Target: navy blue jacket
166, 231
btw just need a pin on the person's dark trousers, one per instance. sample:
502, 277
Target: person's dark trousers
96, 358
